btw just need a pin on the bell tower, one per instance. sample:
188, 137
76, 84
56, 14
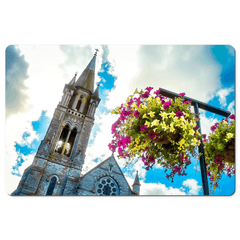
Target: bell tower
58, 162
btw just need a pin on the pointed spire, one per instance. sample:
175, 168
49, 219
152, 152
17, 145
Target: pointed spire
86, 79
72, 82
96, 93
136, 180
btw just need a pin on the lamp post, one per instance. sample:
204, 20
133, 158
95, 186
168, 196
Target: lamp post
197, 104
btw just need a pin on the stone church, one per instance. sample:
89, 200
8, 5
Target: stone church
57, 165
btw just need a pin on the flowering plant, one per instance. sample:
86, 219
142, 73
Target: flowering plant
156, 130
219, 150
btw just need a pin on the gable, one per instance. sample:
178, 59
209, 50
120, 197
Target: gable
108, 168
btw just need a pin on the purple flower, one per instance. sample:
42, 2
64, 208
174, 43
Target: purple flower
213, 128
167, 104
167, 176
221, 166
177, 169
136, 114
182, 94
138, 101
130, 102
126, 140
232, 116
149, 89
121, 143
179, 113
151, 135
151, 159
218, 160
157, 91
145, 95
186, 102
208, 173
120, 151
144, 128
204, 135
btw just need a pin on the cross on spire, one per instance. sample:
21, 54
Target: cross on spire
96, 51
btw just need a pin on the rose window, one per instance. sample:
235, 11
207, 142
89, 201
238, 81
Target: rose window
107, 186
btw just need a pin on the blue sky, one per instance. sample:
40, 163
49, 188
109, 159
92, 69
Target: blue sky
177, 68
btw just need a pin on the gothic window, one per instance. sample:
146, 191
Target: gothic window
70, 142
79, 104
51, 186
107, 186
62, 139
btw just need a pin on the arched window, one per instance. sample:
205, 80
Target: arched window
51, 185
62, 139
79, 104
71, 140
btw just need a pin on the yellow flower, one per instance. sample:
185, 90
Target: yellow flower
181, 142
172, 129
149, 99
155, 122
229, 135
158, 101
172, 114
147, 123
136, 91
145, 115
163, 125
191, 132
184, 126
164, 115
134, 105
112, 112
175, 119
151, 114
155, 129
194, 142
144, 107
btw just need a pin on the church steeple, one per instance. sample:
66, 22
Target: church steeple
86, 79
136, 185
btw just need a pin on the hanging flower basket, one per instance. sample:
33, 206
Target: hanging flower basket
219, 151
155, 129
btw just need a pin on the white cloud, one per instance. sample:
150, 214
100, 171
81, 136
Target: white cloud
192, 184
222, 95
231, 107
158, 189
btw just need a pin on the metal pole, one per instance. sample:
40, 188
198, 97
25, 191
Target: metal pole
202, 158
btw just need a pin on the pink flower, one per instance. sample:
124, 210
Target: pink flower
232, 116
208, 173
136, 114
179, 113
151, 135
130, 102
112, 147
151, 159
182, 94
126, 140
186, 102
149, 89
138, 101
145, 95
157, 91
121, 143
177, 169
167, 104
221, 166
218, 160
167, 176
120, 151
144, 128
213, 128
205, 140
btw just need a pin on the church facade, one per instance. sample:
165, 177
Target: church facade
57, 165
